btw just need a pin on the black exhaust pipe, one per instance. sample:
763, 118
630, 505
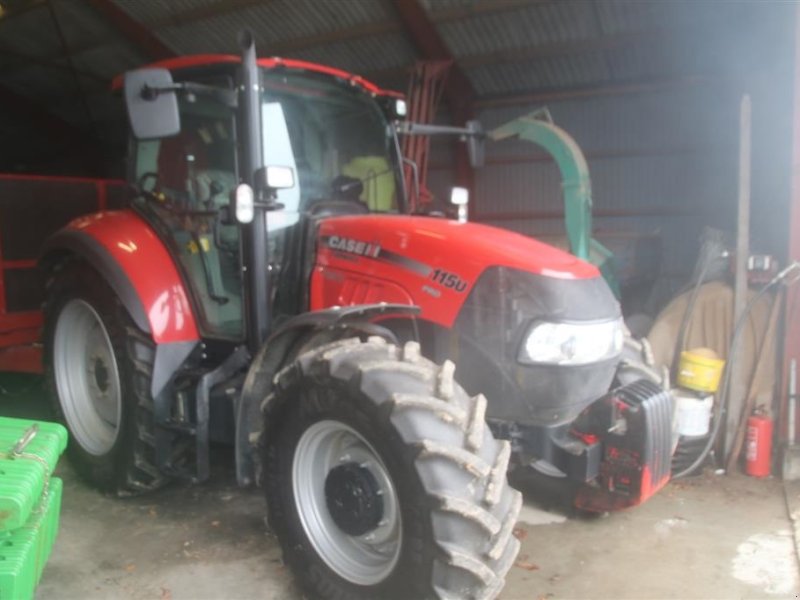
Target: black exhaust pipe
254, 235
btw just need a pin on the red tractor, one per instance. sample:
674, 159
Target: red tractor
267, 286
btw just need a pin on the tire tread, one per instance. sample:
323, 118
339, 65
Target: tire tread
415, 391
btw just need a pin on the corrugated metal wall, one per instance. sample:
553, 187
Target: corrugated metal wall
659, 166
662, 165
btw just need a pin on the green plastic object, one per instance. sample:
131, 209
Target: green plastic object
29, 452
25, 550
538, 127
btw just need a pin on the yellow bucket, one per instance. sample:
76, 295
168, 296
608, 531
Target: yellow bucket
700, 370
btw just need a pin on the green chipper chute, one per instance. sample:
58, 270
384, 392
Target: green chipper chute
30, 502
538, 127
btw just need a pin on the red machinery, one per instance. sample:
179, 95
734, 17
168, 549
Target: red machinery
266, 286
32, 208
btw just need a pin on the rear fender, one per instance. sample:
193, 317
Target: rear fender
126, 252
303, 332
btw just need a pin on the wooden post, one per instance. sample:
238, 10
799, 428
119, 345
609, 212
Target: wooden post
738, 388
791, 346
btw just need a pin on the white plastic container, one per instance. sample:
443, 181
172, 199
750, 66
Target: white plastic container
693, 412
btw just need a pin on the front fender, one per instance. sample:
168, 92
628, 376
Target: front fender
129, 256
125, 250
301, 332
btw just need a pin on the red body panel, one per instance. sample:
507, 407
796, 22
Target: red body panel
149, 267
426, 261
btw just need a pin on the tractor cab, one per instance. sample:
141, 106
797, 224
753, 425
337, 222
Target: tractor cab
321, 130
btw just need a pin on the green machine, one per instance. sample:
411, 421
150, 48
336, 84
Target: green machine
538, 127
30, 502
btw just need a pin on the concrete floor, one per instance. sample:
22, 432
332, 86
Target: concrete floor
707, 537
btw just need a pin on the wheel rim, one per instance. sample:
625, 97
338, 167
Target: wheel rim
87, 377
323, 449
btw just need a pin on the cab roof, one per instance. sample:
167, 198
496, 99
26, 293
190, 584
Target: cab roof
201, 60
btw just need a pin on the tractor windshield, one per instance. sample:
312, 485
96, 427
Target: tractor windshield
336, 138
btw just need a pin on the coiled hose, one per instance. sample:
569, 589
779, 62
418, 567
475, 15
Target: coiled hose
726, 374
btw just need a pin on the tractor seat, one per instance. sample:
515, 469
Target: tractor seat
222, 181
335, 208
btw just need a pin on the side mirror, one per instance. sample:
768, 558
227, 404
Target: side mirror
459, 197
274, 178
151, 103
476, 144
267, 180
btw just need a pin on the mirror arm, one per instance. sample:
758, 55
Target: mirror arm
151, 93
269, 205
266, 198
228, 97
408, 128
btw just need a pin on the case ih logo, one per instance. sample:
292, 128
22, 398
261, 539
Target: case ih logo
352, 246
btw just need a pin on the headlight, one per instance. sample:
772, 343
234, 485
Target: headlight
571, 343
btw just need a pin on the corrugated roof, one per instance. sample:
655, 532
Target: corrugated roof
81, 25
271, 23
545, 74
497, 41
363, 55
31, 33
624, 16
149, 12
523, 27
434, 6
108, 60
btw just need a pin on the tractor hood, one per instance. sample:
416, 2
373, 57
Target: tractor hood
430, 262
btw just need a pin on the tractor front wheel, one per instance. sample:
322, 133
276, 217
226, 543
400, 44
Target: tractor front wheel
382, 478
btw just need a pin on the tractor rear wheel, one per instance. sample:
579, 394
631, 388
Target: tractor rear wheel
382, 478
99, 367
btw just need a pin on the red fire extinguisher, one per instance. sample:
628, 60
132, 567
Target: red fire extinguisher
759, 445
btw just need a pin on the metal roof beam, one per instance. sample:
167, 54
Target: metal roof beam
141, 37
458, 90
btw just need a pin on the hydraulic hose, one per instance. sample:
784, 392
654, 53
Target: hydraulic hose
712, 250
726, 375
